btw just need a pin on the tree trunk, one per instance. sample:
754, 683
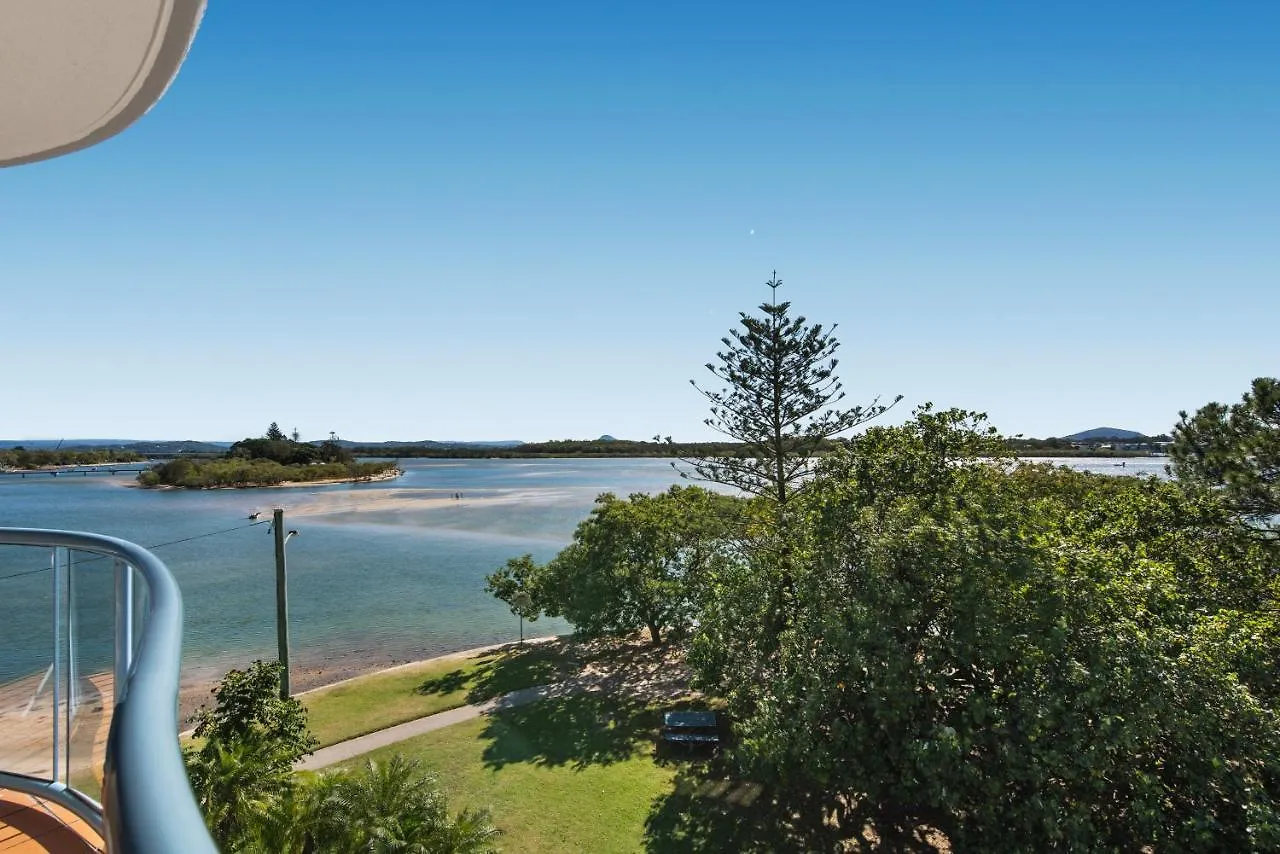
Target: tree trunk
655, 633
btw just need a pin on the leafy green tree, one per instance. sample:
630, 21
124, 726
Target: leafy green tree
780, 401
515, 585
251, 740
635, 563
1021, 658
248, 708
274, 433
1235, 449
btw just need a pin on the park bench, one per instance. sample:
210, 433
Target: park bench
691, 728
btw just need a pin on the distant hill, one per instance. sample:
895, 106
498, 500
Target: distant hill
1103, 433
48, 444
187, 446
137, 446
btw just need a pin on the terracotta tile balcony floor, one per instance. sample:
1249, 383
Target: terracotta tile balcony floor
29, 825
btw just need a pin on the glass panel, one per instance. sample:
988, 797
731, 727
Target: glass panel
57, 635
90, 634
141, 601
26, 667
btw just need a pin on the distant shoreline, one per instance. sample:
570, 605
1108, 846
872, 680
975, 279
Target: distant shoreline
288, 484
70, 467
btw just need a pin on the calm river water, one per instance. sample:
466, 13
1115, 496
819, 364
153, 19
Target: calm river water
380, 573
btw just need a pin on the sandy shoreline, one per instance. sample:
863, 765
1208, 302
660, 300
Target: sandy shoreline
335, 503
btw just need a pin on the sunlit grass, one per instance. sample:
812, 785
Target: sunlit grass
570, 774
581, 770
379, 700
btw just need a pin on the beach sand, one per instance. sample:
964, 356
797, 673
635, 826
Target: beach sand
334, 503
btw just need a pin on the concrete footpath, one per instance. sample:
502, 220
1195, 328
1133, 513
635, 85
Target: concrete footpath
350, 749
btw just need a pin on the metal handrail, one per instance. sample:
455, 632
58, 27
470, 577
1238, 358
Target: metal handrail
148, 806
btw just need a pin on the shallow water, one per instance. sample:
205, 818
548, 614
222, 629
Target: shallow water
1133, 466
380, 573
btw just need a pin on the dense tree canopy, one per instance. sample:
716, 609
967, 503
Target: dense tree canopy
916, 633
1024, 658
274, 446
208, 474
1236, 449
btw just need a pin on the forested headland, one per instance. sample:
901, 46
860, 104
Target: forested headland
269, 460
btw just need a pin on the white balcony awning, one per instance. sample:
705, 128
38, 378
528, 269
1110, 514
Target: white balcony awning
75, 72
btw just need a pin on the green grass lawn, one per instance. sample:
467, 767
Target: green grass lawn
569, 774
581, 773
380, 700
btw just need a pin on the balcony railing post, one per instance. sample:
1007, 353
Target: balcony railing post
124, 631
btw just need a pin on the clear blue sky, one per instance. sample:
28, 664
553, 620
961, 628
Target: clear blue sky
536, 220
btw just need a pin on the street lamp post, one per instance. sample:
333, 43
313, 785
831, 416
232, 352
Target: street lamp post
520, 603
282, 599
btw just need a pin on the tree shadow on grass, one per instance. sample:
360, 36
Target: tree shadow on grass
570, 728
454, 680
506, 669
710, 811
713, 808
543, 663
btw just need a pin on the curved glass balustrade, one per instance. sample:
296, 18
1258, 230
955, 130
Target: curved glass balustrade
95, 728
